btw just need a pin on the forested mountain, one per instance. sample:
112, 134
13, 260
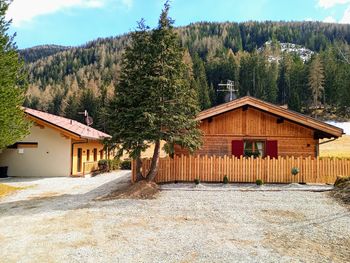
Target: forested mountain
68, 80
34, 53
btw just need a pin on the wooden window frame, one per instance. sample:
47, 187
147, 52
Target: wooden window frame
95, 154
253, 140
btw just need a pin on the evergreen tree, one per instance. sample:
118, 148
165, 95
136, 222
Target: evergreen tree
298, 81
163, 105
201, 83
13, 125
129, 108
316, 80
283, 81
72, 108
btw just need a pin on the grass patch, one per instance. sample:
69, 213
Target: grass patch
8, 189
339, 148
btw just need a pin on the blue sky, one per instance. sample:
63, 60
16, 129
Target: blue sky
75, 22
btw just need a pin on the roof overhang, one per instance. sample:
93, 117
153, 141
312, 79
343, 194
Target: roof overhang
66, 132
323, 129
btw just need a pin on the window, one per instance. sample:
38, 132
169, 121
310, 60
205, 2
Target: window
79, 160
20, 145
87, 155
101, 154
95, 155
254, 148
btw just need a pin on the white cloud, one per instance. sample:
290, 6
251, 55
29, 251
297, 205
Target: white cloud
330, 3
346, 17
22, 11
127, 3
329, 19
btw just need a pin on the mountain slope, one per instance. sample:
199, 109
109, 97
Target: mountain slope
60, 77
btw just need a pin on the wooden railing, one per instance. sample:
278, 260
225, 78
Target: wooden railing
248, 170
89, 167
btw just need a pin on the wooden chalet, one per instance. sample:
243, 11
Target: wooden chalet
252, 127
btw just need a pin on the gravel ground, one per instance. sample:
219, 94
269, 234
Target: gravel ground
178, 226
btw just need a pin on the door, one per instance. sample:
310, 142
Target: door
79, 160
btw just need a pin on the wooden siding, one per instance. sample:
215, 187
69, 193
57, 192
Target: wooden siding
326, 130
247, 170
240, 124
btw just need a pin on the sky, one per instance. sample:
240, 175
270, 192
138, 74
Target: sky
75, 22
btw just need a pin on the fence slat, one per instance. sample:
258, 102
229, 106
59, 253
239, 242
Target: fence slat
214, 168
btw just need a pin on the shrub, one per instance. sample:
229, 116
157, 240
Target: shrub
196, 181
125, 165
108, 165
103, 165
225, 180
295, 170
341, 181
259, 182
114, 164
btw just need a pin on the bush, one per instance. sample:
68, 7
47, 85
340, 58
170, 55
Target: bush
125, 165
225, 180
341, 181
108, 165
259, 182
114, 164
196, 181
103, 165
295, 170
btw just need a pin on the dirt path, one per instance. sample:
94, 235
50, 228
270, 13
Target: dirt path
178, 226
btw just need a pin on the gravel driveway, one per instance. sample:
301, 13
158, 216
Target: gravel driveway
178, 226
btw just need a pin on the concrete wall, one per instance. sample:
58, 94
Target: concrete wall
52, 157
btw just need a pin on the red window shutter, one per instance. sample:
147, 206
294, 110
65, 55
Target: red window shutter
272, 149
237, 148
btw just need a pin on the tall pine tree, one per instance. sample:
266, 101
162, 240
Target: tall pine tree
201, 83
316, 80
13, 125
154, 101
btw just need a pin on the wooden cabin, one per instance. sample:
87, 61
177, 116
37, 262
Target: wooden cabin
249, 126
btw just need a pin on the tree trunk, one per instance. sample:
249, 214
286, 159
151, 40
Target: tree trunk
155, 163
139, 176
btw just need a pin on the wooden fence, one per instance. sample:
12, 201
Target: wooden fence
247, 170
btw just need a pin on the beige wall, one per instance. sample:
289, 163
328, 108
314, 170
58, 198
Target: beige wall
148, 153
52, 157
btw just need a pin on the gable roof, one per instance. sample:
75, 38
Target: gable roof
327, 129
71, 126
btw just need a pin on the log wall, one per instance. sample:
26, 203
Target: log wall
241, 124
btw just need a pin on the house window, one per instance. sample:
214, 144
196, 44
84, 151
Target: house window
20, 145
101, 154
95, 155
87, 155
254, 148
